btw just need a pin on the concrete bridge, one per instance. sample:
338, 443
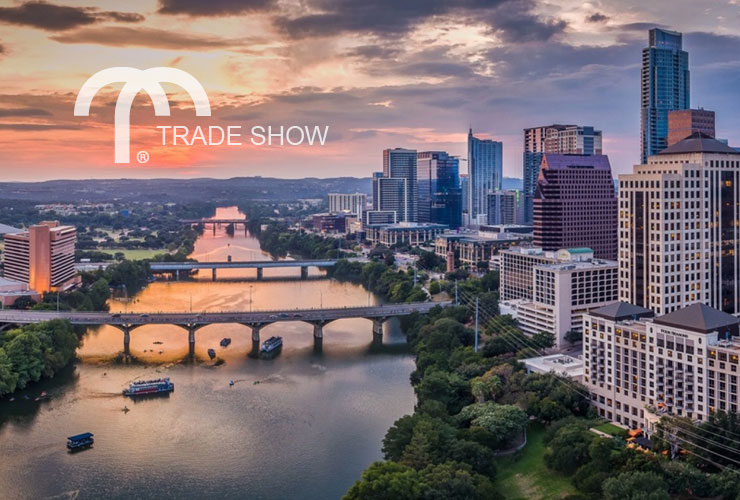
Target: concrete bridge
216, 223
260, 265
193, 321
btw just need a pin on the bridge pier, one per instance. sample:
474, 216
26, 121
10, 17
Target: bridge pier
214, 228
259, 273
256, 333
126, 340
213, 274
177, 275
378, 326
191, 340
304, 272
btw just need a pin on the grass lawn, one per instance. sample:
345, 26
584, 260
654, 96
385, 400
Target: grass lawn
136, 253
524, 476
612, 430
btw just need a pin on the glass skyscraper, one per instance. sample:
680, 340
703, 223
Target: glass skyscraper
400, 164
665, 87
438, 187
485, 175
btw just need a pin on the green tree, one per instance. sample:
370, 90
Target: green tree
636, 486
24, 350
8, 377
507, 422
386, 480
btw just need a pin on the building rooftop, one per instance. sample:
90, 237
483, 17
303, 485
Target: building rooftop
699, 142
561, 364
5, 229
699, 318
620, 311
553, 161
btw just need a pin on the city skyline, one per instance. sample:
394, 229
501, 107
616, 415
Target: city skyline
418, 83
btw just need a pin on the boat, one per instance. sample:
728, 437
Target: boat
80, 441
143, 387
271, 344
211, 353
225, 342
231, 382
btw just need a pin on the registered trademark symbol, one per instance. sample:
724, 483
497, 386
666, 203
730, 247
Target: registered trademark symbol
142, 157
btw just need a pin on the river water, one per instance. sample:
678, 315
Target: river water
301, 426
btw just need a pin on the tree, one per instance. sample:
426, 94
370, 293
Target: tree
8, 377
25, 353
504, 421
434, 288
24, 302
569, 448
384, 480
636, 486
574, 336
454, 481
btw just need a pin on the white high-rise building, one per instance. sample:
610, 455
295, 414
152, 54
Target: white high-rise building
679, 228
348, 203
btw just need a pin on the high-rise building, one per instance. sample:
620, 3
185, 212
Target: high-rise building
376, 190
400, 164
664, 88
43, 257
465, 188
438, 188
575, 204
348, 203
683, 123
557, 139
505, 207
678, 241
639, 368
393, 196
485, 175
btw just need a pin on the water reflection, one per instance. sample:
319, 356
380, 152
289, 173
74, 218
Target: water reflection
303, 425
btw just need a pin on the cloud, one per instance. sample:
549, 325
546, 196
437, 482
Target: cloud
373, 52
213, 7
35, 127
4, 113
597, 17
124, 36
50, 17
515, 22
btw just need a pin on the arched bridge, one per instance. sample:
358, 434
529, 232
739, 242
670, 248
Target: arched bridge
193, 321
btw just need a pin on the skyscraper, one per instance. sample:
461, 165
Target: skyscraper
43, 257
664, 88
684, 122
558, 139
485, 171
575, 205
400, 164
354, 203
505, 207
438, 183
393, 196
678, 216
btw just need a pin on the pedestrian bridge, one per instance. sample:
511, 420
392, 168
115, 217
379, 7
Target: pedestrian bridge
193, 321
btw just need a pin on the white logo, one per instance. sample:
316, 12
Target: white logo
135, 80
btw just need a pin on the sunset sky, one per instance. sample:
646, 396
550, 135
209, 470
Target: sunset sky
388, 73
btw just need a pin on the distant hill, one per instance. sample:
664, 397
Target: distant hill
181, 190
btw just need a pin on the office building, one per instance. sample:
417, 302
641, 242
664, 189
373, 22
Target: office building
43, 257
438, 188
505, 207
562, 293
331, 222
474, 248
376, 217
464, 187
575, 204
639, 367
685, 122
556, 139
485, 175
411, 233
376, 190
678, 241
393, 196
353, 204
664, 88
400, 164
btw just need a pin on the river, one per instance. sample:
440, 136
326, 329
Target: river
301, 426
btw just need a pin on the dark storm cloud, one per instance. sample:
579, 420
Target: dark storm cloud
597, 17
125, 36
213, 7
53, 17
23, 112
35, 127
518, 24
373, 52
381, 17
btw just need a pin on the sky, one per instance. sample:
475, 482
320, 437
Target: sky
379, 74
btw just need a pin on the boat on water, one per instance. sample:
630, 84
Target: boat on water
80, 441
225, 342
271, 344
144, 387
211, 353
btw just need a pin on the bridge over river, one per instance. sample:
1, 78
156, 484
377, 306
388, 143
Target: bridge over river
193, 321
259, 265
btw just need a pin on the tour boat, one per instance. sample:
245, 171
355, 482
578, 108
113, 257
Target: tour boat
143, 387
80, 441
272, 344
225, 342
